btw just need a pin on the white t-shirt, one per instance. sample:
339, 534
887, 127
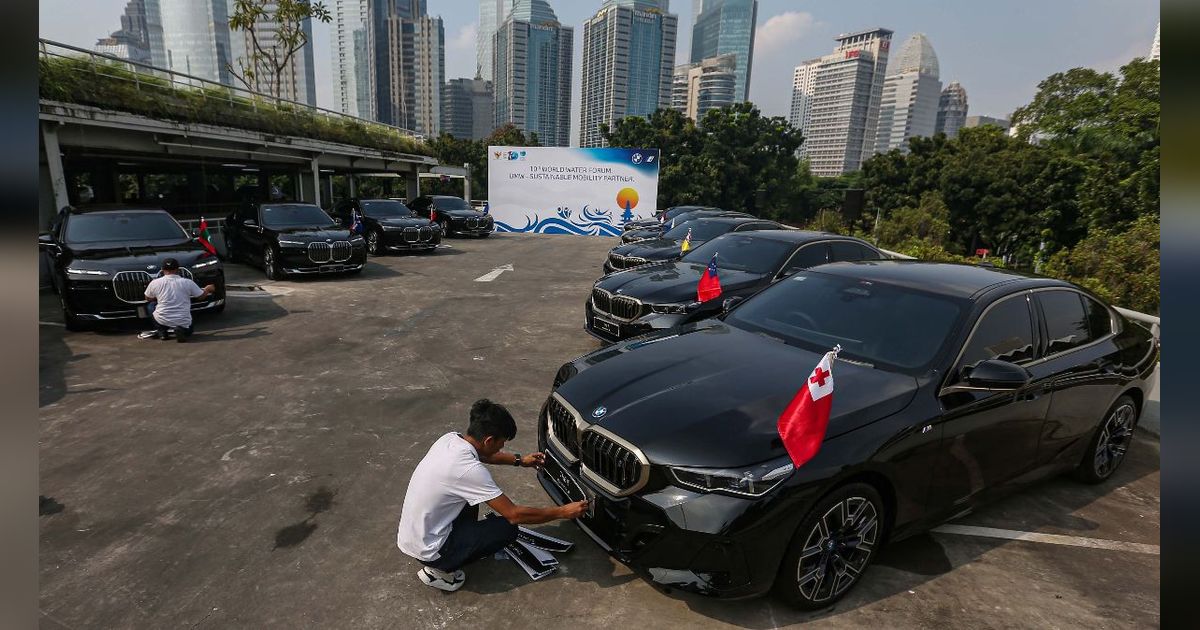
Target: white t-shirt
449, 478
173, 294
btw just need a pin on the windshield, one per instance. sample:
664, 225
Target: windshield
388, 209
451, 203
877, 323
743, 252
114, 227
701, 230
678, 210
294, 215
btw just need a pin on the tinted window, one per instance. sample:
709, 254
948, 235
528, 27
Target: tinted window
110, 227
386, 209
294, 215
877, 323
1004, 333
742, 253
808, 256
1066, 322
1099, 321
678, 210
869, 253
750, 227
451, 203
701, 230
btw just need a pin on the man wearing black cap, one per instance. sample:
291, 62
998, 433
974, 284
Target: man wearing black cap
173, 295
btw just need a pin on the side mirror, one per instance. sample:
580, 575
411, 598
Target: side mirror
44, 239
249, 223
996, 375
730, 303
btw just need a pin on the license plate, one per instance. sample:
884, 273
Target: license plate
143, 312
607, 326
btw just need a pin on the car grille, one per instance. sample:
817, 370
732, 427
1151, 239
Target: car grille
130, 286
562, 425
338, 251
617, 261
619, 306
418, 235
612, 462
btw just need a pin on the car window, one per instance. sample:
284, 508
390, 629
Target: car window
1004, 333
452, 203
1099, 319
293, 215
750, 227
869, 253
810, 255
702, 230
1066, 321
386, 209
113, 227
845, 251
742, 252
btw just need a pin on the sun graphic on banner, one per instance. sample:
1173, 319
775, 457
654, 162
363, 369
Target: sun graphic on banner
627, 198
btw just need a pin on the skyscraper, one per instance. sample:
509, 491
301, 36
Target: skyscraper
492, 13
407, 65
467, 108
844, 113
628, 58
1154, 54
195, 38
709, 84
982, 121
727, 27
804, 81
297, 82
910, 96
351, 63
139, 25
532, 69
952, 110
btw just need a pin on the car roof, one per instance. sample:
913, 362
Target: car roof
797, 236
114, 207
950, 279
445, 197
729, 220
379, 199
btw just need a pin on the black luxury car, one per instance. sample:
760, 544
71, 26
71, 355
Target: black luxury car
669, 245
669, 213
656, 230
103, 257
661, 295
454, 214
290, 238
389, 225
955, 383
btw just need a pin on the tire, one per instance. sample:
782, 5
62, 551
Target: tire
855, 515
445, 228
373, 240
219, 308
71, 322
270, 266
1106, 450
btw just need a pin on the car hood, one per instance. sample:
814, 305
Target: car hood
405, 222
309, 235
654, 249
641, 234
135, 257
710, 395
460, 214
672, 282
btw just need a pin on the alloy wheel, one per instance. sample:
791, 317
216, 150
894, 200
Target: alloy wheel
269, 262
837, 549
1115, 437
373, 243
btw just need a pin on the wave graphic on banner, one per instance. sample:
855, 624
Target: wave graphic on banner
589, 223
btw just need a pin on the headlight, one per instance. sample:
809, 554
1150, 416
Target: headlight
754, 481
392, 228
207, 263
292, 243
674, 309
86, 272
357, 240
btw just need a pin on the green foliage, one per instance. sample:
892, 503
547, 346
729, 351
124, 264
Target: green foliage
114, 87
287, 20
928, 223
1119, 266
458, 151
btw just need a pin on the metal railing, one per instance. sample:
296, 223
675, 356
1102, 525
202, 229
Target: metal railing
99, 62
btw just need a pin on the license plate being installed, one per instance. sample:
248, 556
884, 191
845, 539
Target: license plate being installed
572, 489
606, 326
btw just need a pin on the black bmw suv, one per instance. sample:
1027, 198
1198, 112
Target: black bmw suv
454, 214
288, 238
102, 258
389, 225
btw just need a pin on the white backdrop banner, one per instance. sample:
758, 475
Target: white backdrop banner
561, 190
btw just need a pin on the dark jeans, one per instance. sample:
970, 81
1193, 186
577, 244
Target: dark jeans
180, 332
471, 539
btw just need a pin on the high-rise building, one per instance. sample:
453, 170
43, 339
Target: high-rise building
727, 27
980, 121
140, 25
628, 63
952, 110
843, 116
803, 83
467, 108
351, 58
195, 38
709, 84
407, 65
297, 81
1154, 54
911, 91
532, 73
492, 13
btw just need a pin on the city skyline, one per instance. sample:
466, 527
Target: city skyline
999, 81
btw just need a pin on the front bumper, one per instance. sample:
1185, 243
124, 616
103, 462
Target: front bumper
96, 300
296, 261
610, 330
399, 241
462, 227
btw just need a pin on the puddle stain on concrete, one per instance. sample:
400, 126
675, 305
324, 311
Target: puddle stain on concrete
47, 506
297, 533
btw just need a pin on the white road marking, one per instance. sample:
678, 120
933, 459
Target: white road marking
40, 323
226, 457
495, 273
1053, 539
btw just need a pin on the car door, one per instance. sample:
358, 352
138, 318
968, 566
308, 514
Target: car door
989, 438
849, 251
341, 212
253, 233
1083, 362
806, 256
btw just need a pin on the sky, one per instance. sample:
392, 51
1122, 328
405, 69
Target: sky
997, 49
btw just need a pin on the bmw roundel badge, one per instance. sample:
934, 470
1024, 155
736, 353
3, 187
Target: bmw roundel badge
599, 412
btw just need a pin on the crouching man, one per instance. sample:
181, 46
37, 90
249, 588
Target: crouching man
439, 523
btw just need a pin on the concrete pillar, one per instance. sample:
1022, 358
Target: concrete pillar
58, 178
316, 175
353, 186
467, 184
330, 180
413, 188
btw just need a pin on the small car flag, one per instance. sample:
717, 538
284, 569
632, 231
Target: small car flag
687, 242
803, 423
709, 287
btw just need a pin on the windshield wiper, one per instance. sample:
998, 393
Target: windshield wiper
770, 336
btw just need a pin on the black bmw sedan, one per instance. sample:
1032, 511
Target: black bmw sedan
454, 214
288, 238
103, 257
955, 383
656, 230
669, 213
389, 225
661, 295
669, 245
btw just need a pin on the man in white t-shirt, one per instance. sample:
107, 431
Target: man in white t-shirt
439, 523
172, 295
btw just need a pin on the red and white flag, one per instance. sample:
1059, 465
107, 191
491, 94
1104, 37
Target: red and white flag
802, 425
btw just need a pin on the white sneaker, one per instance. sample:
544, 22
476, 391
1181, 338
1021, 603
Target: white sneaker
441, 580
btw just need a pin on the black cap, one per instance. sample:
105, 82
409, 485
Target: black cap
170, 264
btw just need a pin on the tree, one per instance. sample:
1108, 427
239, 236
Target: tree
1120, 266
284, 19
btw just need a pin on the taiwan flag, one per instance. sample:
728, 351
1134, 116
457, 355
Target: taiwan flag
802, 425
205, 238
709, 287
